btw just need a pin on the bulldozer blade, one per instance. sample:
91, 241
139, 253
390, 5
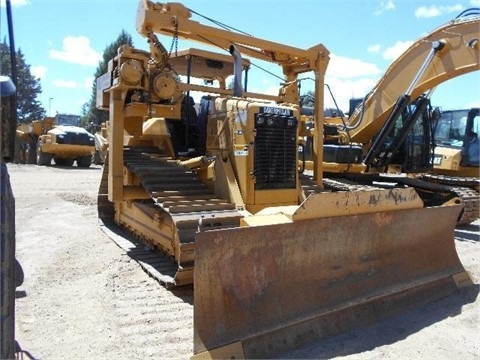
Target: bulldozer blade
270, 289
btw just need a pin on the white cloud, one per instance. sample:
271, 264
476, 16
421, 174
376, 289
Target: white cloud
77, 50
38, 71
385, 6
433, 10
475, 2
345, 68
14, 3
374, 49
346, 78
345, 89
65, 83
474, 104
393, 52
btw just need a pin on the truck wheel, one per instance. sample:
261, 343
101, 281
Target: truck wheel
97, 158
19, 274
64, 162
31, 153
84, 161
59, 161
19, 156
43, 158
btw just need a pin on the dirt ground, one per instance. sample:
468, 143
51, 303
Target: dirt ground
84, 298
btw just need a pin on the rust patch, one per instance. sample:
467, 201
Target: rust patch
382, 219
247, 284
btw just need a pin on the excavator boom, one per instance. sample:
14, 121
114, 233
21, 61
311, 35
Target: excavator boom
447, 52
394, 138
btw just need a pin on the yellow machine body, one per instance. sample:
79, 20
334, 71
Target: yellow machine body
276, 258
449, 51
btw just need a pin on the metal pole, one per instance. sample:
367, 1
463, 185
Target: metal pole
436, 47
7, 216
50, 106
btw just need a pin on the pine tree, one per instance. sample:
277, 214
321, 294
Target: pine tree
90, 113
28, 87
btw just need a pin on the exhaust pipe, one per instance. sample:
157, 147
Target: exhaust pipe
237, 72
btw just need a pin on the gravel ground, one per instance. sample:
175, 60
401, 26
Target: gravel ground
84, 298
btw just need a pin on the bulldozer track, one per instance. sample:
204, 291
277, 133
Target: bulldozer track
470, 196
466, 188
154, 262
174, 191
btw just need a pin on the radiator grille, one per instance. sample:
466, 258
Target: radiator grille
73, 138
275, 163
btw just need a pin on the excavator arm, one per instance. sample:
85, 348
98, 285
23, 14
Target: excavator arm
447, 52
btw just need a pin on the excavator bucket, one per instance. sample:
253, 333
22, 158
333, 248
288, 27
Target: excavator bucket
257, 295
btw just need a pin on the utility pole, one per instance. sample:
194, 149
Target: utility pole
50, 106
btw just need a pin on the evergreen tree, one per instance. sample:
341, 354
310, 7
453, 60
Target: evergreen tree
90, 113
28, 87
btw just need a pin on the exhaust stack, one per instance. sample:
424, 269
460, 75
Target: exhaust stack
237, 73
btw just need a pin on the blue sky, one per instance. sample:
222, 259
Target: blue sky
63, 40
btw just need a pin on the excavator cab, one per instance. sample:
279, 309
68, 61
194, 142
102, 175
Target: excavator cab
471, 149
458, 129
409, 146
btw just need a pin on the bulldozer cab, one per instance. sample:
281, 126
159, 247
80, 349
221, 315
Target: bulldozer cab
210, 69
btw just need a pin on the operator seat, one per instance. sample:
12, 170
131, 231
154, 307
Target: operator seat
184, 132
202, 124
473, 149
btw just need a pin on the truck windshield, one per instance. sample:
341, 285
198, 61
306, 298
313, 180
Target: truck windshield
65, 119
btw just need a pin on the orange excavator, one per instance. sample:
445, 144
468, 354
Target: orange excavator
276, 258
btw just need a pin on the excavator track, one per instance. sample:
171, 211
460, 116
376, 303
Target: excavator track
177, 193
466, 188
438, 191
330, 184
435, 190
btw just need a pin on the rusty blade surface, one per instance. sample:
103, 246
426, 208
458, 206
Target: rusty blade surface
261, 285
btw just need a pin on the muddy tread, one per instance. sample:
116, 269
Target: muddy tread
157, 264
466, 188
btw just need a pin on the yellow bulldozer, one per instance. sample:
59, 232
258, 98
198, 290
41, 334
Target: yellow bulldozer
219, 185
